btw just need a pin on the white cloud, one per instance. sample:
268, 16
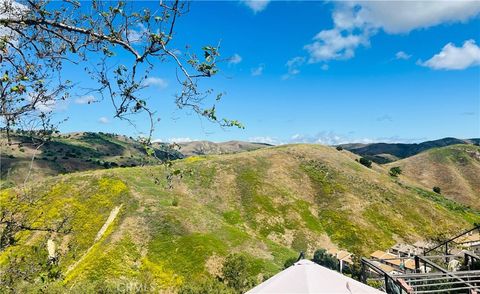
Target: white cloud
235, 59
402, 55
13, 10
137, 35
256, 5
355, 22
405, 16
87, 99
265, 139
455, 58
324, 138
180, 140
103, 120
293, 66
257, 71
335, 44
331, 138
154, 81
46, 104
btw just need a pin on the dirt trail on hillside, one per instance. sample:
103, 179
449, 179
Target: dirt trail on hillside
101, 232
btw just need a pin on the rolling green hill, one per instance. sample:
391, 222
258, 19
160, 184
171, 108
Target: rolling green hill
388, 152
72, 152
455, 169
124, 226
212, 148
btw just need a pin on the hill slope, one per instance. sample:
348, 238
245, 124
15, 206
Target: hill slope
388, 152
83, 151
210, 148
455, 169
125, 226
73, 152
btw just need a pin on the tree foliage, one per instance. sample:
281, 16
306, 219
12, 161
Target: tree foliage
365, 162
395, 171
119, 45
39, 38
323, 258
235, 273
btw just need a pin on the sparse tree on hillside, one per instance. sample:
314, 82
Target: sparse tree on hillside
366, 162
395, 171
437, 190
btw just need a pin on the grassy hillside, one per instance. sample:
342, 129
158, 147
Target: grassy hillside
455, 169
266, 205
73, 152
210, 148
388, 152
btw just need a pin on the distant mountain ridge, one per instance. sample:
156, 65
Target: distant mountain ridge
209, 148
81, 151
73, 152
388, 152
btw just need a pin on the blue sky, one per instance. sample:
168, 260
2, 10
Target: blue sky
324, 72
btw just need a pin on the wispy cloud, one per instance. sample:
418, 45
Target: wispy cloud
402, 55
332, 138
258, 71
137, 35
48, 105
156, 82
235, 59
468, 113
103, 120
455, 58
87, 99
293, 67
174, 140
256, 5
266, 139
384, 118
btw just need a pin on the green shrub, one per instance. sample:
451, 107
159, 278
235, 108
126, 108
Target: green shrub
365, 162
175, 201
339, 148
437, 190
323, 258
395, 171
235, 273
